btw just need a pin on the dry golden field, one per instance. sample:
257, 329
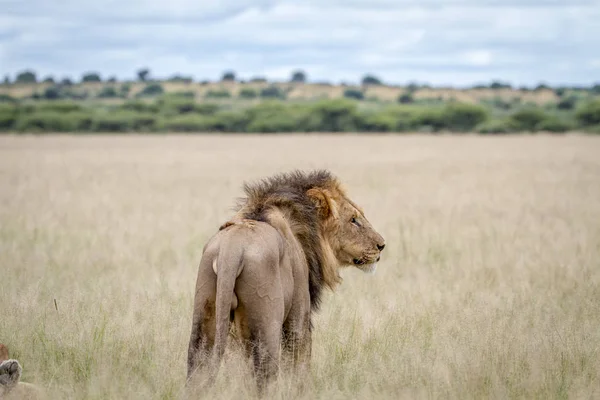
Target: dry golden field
489, 286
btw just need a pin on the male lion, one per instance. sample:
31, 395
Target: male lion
264, 270
10, 375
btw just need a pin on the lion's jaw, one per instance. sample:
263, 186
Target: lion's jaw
339, 256
353, 245
368, 268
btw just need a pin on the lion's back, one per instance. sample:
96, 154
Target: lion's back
25, 391
256, 238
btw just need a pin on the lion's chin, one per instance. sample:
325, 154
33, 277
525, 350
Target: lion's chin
369, 268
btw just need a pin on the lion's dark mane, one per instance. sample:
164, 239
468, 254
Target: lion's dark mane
287, 191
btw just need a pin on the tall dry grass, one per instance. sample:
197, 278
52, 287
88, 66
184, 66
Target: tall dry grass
489, 286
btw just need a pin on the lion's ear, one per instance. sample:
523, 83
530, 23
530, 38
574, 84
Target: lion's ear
324, 202
3, 353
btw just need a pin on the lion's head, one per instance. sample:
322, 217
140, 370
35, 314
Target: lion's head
332, 230
347, 231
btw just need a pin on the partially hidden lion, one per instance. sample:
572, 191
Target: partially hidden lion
11, 388
263, 272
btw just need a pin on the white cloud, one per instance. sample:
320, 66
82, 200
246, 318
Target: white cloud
457, 41
132, 9
478, 57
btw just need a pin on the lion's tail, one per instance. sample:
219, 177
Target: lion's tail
228, 266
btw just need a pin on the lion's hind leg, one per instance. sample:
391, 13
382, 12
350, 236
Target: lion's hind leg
263, 317
202, 337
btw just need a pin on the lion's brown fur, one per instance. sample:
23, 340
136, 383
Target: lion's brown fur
288, 193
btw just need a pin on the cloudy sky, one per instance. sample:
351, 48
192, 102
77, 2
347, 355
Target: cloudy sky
450, 42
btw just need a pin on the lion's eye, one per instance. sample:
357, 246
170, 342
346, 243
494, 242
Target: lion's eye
354, 221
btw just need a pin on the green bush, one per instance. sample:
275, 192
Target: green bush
528, 118
272, 117
7, 121
52, 93
50, 121
501, 103
180, 78
248, 93
218, 94
406, 116
273, 123
428, 119
354, 94
11, 108
258, 79
83, 120
377, 122
111, 123
406, 98
553, 124
72, 94
338, 115
8, 116
124, 90
298, 76
589, 114
187, 94
228, 76
124, 121
371, 80
463, 117
139, 106
272, 92
108, 92
91, 77
188, 123
6, 98
496, 126
500, 85
228, 121
567, 103
174, 105
26, 76
207, 108
412, 87
57, 106
144, 122
152, 89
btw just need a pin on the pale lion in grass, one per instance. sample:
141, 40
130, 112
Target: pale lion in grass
264, 271
11, 387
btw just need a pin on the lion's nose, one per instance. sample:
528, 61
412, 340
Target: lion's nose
380, 246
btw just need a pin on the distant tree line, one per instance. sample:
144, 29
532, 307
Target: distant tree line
148, 106
180, 112
28, 76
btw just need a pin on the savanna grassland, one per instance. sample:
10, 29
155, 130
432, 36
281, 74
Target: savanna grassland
489, 286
